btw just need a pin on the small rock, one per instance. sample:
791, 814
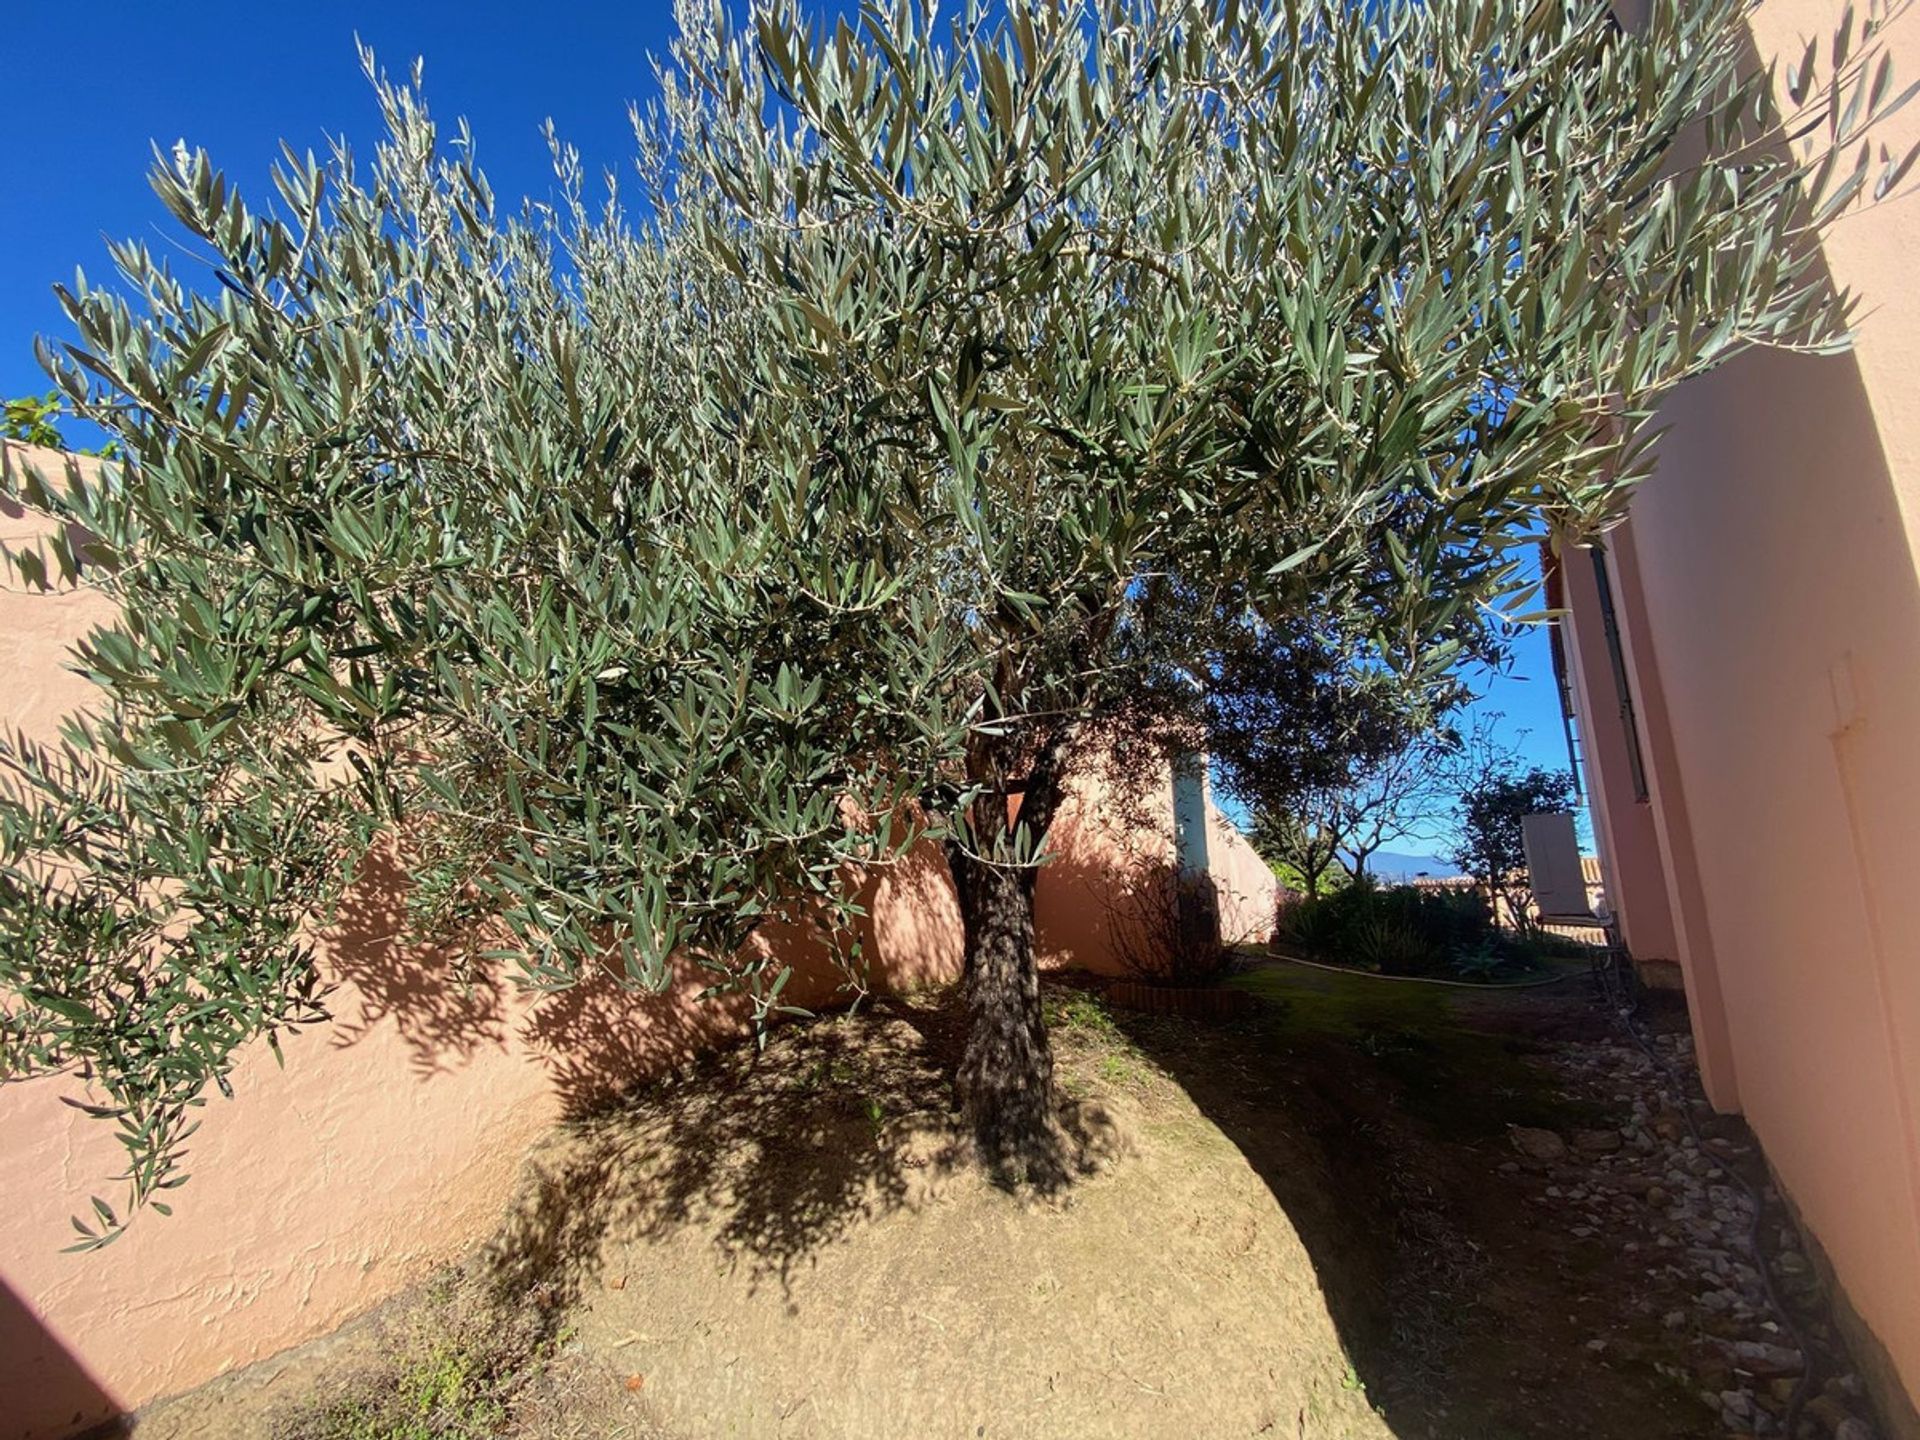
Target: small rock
1714, 1375
1537, 1144
1765, 1362
1597, 1142
1853, 1428
1828, 1413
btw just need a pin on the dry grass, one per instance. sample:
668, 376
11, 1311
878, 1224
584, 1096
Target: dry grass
460, 1360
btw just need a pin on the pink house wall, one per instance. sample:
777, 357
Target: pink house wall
1624, 820
1687, 920
1769, 577
391, 1140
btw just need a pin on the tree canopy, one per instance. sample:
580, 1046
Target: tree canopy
949, 380
1497, 796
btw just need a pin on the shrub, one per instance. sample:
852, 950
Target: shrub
1398, 930
1456, 920
1391, 944
1310, 922
1165, 927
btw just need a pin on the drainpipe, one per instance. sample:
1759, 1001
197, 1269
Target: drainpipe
1190, 814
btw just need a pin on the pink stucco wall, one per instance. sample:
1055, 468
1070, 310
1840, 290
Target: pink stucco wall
391, 1139
1623, 819
1099, 844
1769, 571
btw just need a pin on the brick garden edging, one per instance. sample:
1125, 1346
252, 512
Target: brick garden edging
1191, 1002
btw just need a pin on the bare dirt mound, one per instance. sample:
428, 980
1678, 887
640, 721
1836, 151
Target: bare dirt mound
791, 1245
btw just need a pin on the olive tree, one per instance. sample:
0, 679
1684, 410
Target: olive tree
656, 568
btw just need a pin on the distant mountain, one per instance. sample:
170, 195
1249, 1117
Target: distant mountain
1395, 868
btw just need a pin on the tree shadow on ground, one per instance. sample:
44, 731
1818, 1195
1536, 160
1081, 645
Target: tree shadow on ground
774, 1154
1378, 1117
1295, 1110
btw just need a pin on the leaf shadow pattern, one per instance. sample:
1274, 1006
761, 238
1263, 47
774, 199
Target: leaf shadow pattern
775, 1154
446, 1012
600, 1038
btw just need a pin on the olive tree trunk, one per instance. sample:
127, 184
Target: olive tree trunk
1005, 1081
1006, 1074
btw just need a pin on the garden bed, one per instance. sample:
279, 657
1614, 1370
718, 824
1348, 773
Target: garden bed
1416, 932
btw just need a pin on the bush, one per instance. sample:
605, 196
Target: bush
1165, 927
1456, 920
1309, 922
1390, 944
1396, 930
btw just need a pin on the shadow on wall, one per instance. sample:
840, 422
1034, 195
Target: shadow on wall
1165, 924
45, 1392
1081, 905
769, 1156
445, 1013
600, 1037
1103, 902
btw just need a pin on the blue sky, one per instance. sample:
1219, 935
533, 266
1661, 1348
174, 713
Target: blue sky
237, 78
1528, 710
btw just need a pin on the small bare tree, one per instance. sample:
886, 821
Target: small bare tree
1379, 800
1164, 924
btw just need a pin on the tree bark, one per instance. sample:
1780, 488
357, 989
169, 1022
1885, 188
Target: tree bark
1005, 1082
1006, 1075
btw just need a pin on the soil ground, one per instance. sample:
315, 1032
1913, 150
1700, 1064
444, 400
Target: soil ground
1307, 1223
